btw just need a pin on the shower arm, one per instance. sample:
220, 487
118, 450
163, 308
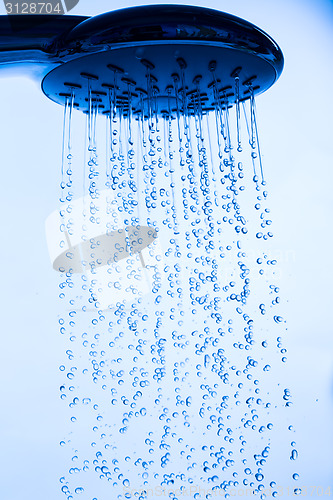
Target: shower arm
29, 45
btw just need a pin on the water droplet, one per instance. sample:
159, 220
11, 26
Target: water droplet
150, 338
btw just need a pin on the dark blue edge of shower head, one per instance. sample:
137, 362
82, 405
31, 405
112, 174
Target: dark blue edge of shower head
39, 45
173, 23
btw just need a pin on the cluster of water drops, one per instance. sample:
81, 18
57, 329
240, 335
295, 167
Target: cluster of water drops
171, 377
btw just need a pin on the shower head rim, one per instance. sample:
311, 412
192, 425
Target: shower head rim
167, 23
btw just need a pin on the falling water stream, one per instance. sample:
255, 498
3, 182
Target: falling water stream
172, 380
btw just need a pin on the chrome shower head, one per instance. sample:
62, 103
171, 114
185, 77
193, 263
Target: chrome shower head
159, 51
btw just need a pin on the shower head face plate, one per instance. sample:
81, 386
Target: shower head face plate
159, 71
163, 52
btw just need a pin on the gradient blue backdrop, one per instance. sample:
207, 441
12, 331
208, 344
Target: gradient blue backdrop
295, 119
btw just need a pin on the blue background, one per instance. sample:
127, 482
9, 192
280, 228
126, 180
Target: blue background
295, 120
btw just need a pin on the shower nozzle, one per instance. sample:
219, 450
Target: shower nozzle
147, 56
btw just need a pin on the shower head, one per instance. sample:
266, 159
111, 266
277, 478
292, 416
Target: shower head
141, 54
